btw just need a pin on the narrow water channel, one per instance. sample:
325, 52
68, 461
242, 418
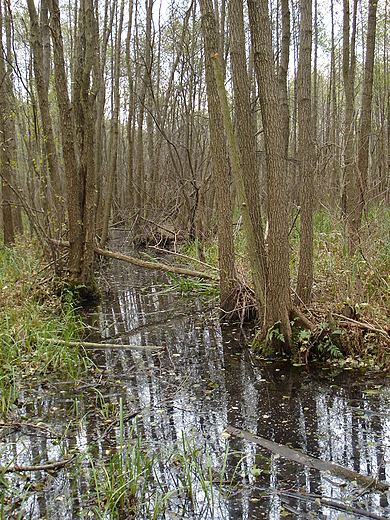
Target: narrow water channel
203, 382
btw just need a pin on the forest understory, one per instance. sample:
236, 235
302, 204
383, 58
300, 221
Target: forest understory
347, 321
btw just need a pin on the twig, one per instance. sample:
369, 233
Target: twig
171, 360
41, 467
161, 250
326, 502
159, 226
367, 326
295, 219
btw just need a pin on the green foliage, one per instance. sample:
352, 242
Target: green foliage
322, 341
275, 334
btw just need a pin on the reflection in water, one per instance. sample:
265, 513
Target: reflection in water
203, 382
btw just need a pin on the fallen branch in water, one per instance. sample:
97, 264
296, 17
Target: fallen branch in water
307, 460
154, 265
41, 467
329, 502
29, 425
88, 345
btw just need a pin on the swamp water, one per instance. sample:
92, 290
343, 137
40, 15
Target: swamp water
165, 412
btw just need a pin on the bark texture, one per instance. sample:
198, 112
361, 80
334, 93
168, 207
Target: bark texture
278, 306
220, 165
249, 176
306, 167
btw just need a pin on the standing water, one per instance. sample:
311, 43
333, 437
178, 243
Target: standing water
167, 410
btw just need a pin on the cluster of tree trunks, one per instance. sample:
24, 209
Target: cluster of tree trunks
159, 156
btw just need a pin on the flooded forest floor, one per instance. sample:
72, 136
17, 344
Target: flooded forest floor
151, 432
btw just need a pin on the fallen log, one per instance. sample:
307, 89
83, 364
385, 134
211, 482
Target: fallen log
154, 265
307, 460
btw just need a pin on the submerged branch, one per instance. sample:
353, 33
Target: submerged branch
88, 345
307, 460
41, 467
329, 502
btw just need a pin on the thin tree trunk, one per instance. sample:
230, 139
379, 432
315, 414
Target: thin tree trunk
305, 269
351, 193
42, 85
114, 134
365, 117
5, 141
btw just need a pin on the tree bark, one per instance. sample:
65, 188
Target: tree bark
305, 269
228, 283
365, 116
282, 78
249, 176
114, 134
279, 304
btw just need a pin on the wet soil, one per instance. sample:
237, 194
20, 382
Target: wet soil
203, 381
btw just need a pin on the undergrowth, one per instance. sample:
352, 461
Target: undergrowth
31, 320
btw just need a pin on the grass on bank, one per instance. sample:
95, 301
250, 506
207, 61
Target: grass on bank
31, 316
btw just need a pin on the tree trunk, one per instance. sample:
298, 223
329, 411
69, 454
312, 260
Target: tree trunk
351, 189
249, 175
130, 120
145, 82
305, 270
365, 116
227, 282
114, 134
279, 304
6, 144
80, 173
42, 84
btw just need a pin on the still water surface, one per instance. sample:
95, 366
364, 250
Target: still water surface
204, 381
